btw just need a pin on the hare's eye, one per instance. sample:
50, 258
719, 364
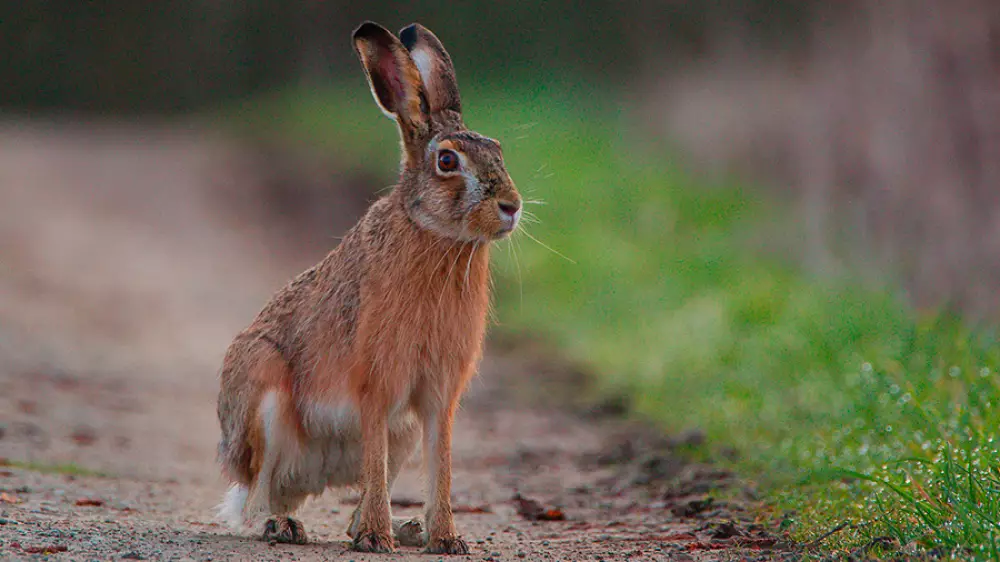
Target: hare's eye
447, 161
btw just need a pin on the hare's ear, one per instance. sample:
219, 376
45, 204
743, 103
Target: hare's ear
435, 66
394, 79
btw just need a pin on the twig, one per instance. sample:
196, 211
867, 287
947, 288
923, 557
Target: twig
814, 543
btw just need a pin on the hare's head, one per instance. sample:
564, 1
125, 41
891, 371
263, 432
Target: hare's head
454, 182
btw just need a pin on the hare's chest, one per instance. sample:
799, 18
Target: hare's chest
435, 333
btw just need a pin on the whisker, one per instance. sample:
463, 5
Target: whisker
517, 265
468, 266
445, 254
544, 245
447, 278
534, 202
444, 283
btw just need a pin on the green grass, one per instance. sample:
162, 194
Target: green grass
843, 403
69, 469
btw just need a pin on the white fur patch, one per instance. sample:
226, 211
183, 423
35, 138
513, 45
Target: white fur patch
267, 415
425, 65
259, 500
430, 454
323, 419
230, 511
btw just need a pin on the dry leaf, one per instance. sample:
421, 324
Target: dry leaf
9, 498
89, 502
534, 511
47, 549
471, 509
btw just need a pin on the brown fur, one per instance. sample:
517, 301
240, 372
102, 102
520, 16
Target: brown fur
390, 323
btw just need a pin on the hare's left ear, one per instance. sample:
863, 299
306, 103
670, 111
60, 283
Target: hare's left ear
394, 79
435, 66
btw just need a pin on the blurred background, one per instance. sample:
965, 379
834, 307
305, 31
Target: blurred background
878, 118
745, 202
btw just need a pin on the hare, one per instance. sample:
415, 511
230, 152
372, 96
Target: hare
358, 357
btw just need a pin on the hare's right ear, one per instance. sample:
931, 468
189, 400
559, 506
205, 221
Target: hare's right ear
394, 79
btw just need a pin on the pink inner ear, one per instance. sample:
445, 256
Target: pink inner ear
389, 70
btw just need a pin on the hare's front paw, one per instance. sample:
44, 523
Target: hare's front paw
284, 529
447, 545
370, 541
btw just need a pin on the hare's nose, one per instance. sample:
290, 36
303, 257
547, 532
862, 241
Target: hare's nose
509, 208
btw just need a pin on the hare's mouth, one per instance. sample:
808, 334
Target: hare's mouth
504, 232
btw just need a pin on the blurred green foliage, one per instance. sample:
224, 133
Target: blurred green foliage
842, 402
115, 56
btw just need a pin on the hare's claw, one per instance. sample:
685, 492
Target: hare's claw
447, 545
370, 541
284, 530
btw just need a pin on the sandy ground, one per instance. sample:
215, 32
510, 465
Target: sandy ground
129, 258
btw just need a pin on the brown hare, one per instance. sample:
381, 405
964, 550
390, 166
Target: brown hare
357, 357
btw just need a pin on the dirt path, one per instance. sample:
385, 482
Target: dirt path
122, 278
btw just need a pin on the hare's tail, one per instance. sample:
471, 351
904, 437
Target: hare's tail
230, 511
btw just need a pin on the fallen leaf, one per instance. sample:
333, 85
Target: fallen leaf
406, 502
691, 508
9, 498
471, 509
89, 502
532, 510
727, 530
83, 436
6, 473
554, 514
708, 545
47, 549
758, 542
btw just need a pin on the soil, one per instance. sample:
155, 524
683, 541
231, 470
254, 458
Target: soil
129, 256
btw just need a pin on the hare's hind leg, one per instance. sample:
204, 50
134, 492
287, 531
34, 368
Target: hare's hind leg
280, 477
274, 443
